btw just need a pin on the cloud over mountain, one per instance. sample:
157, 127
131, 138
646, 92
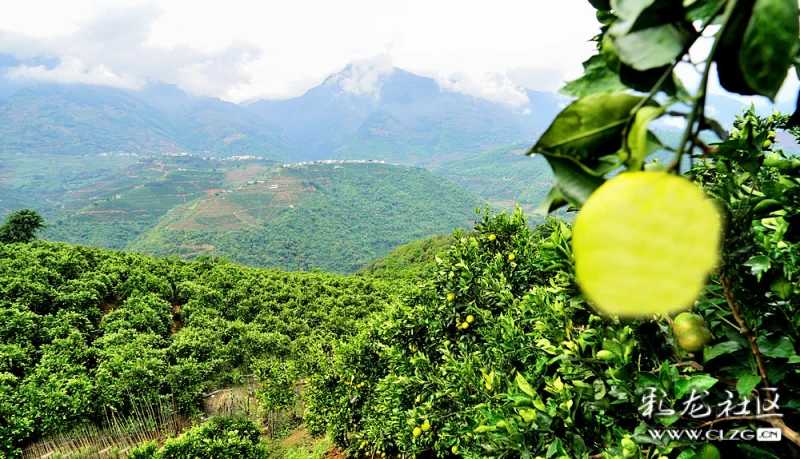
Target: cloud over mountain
113, 48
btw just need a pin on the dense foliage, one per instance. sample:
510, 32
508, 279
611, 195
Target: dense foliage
415, 260
21, 226
221, 437
500, 355
85, 330
349, 220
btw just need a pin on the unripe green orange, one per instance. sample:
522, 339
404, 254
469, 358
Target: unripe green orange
451, 296
416, 432
511, 257
766, 145
708, 451
470, 319
605, 355
687, 321
644, 243
691, 331
492, 237
426, 426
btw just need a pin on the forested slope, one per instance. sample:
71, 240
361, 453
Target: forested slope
84, 330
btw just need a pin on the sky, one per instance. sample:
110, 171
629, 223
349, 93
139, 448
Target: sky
242, 50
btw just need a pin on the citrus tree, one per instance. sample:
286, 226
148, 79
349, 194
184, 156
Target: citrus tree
674, 291
646, 239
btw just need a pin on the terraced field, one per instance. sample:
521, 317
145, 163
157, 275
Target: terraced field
188, 206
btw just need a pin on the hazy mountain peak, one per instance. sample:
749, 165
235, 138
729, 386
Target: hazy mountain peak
363, 76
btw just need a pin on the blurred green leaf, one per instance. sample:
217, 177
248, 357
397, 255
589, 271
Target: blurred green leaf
770, 45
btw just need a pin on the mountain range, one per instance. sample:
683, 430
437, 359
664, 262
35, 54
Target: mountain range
410, 119
397, 116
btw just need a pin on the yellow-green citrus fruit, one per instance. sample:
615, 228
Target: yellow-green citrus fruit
417, 432
644, 243
691, 331
694, 340
708, 451
511, 257
451, 296
627, 443
492, 237
465, 325
771, 135
605, 355
446, 342
454, 449
767, 144
686, 321
629, 448
426, 426
470, 319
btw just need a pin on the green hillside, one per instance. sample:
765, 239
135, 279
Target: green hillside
88, 332
333, 217
504, 176
413, 260
336, 216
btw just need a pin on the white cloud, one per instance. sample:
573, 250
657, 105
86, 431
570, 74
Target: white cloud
112, 48
75, 71
364, 76
240, 50
670, 122
494, 86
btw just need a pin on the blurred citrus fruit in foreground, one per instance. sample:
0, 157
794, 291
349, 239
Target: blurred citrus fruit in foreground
644, 243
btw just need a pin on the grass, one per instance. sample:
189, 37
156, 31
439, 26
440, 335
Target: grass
315, 450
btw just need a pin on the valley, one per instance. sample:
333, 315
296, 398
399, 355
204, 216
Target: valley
300, 216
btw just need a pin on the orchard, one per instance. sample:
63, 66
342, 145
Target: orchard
670, 304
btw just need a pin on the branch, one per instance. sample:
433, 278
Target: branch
689, 363
762, 369
732, 418
699, 107
787, 432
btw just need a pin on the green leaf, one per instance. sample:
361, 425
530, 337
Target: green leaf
597, 77
754, 452
554, 200
601, 4
638, 15
698, 383
589, 128
574, 183
770, 45
701, 9
524, 386
651, 48
782, 288
647, 379
728, 347
667, 421
746, 384
730, 43
782, 349
643, 81
640, 139
758, 265
686, 454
